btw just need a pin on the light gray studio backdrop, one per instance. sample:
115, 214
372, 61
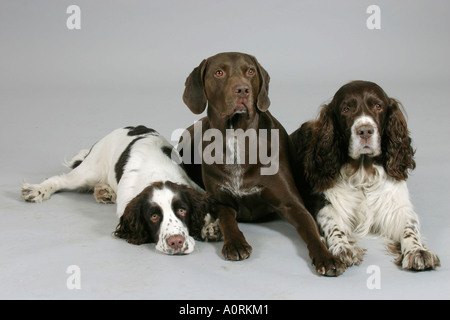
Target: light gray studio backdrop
61, 90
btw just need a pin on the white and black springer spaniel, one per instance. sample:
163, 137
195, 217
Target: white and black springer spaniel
355, 159
156, 200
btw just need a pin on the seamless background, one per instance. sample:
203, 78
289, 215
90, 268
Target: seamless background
62, 90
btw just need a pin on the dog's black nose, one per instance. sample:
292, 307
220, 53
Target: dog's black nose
175, 242
365, 131
241, 91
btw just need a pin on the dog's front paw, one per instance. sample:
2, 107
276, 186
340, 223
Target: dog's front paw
236, 250
349, 254
34, 192
329, 265
419, 260
211, 230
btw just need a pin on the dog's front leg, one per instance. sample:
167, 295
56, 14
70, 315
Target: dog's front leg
398, 221
336, 237
235, 246
325, 262
413, 254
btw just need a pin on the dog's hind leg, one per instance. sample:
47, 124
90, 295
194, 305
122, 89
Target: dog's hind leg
84, 176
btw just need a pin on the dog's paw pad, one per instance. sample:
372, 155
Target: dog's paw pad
104, 194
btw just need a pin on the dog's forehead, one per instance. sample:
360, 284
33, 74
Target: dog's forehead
230, 59
163, 197
360, 89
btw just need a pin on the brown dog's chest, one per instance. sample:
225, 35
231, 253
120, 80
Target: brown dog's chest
233, 182
238, 188
240, 180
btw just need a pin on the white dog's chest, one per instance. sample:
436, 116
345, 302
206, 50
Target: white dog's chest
360, 195
364, 202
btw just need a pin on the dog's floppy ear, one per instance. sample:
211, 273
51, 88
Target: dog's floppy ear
132, 226
263, 101
398, 154
323, 156
194, 95
200, 203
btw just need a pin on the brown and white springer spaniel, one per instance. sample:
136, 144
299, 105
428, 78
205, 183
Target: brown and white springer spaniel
354, 162
155, 199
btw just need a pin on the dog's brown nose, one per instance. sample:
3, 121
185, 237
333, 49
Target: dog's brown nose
175, 242
365, 131
242, 91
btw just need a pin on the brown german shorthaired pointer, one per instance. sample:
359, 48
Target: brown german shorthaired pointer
235, 87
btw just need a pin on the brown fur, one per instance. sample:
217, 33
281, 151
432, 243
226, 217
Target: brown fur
322, 145
235, 88
135, 225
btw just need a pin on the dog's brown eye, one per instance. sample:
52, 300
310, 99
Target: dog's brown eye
251, 72
219, 73
154, 218
346, 109
378, 107
181, 212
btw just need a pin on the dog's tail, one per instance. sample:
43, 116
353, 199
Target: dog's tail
77, 160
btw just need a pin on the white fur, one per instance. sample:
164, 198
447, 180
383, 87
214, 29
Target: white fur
359, 146
146, 164
364, 203
170, 224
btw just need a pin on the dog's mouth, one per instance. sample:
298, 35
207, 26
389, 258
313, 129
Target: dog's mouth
238, 113
366, 149
239, 108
